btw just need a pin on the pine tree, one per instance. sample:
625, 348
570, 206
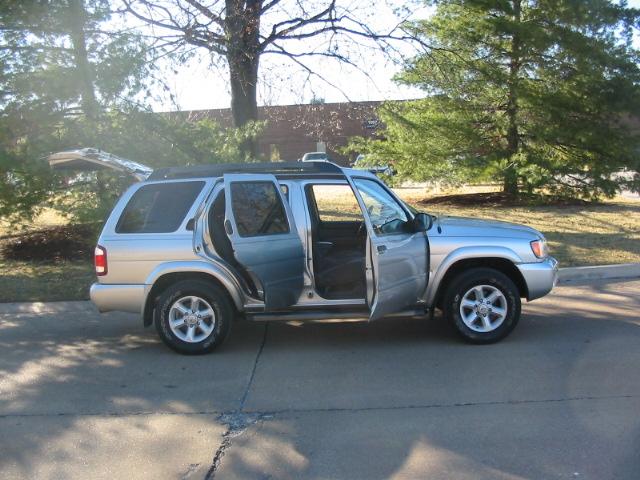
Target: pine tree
531, 93
61, 68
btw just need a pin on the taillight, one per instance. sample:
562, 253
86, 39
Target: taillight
100, 260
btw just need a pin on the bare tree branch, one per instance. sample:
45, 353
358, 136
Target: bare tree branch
241, 31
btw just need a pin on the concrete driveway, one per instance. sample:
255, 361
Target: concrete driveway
89, 396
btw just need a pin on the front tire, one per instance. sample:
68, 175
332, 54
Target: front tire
193, 317
483, 305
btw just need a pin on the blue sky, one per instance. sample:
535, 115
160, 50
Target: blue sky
200, 85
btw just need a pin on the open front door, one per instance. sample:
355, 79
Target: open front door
91, 159
263, 234
398, 256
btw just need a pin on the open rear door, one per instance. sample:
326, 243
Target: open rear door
263, 234
91, 159
398, 257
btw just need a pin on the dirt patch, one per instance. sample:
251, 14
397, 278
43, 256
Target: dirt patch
499, 199
52, 244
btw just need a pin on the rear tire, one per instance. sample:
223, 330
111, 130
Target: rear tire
482, 304
193, 317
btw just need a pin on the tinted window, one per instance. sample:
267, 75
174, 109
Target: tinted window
386, 215
158, 208
336, 203
257, 209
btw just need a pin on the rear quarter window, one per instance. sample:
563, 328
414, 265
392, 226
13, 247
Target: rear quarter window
158, 208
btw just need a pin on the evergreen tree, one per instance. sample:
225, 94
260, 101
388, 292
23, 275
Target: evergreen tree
70, 79
60, 67
533, 93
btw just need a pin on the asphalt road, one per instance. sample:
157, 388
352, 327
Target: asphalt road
90, 396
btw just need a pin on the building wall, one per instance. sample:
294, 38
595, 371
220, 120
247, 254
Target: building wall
293, 130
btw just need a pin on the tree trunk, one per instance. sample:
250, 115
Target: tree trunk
510, 186
80, 55
243, 22
244, 79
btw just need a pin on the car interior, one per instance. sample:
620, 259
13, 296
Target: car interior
338, 236
339, 240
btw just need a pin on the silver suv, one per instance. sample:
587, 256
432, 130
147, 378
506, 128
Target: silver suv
192, 249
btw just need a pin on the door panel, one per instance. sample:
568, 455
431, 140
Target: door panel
398, 257
263, 235
399, 272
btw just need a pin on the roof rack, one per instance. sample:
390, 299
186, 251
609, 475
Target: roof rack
275, 168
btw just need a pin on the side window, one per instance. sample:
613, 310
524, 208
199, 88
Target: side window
336, 203
257, 209
386, 215
158, 208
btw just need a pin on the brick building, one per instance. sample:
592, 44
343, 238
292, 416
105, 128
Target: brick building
293, 130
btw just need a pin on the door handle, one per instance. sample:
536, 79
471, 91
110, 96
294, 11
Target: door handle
227, 227
382, 249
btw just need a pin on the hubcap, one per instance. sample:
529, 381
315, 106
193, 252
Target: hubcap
192, 319
483, 308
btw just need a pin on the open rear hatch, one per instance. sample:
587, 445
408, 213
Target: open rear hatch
92, 159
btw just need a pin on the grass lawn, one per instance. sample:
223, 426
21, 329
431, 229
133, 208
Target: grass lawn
591, 234
22, 281
578, 235
38, 282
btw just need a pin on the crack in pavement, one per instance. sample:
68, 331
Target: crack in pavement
227, 416
238, 421
255, 367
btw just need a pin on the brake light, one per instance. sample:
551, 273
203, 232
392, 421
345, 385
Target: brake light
100, 260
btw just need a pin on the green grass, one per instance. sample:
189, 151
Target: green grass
37, 282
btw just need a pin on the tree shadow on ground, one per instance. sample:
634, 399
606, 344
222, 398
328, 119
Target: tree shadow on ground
328, 395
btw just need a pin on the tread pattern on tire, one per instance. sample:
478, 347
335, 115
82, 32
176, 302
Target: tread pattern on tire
476, 276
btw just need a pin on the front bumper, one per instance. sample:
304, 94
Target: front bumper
540, 277
123, 298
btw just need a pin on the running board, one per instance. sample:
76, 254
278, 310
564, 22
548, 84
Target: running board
325, 315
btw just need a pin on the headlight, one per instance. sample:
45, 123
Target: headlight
539, 248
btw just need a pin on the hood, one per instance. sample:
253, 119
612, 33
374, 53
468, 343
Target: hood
471, 227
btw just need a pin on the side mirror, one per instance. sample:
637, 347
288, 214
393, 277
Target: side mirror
422, 222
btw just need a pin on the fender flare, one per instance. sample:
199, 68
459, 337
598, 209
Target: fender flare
465, 253
220, 274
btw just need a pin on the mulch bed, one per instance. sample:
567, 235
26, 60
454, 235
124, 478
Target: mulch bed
59, 243
499, 199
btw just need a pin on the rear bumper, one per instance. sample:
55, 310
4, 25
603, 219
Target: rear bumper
124, 298
540, 277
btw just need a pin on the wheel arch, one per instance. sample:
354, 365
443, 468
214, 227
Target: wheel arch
168, 274
502, 263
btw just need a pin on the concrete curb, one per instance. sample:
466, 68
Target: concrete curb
47, 307
598, 272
